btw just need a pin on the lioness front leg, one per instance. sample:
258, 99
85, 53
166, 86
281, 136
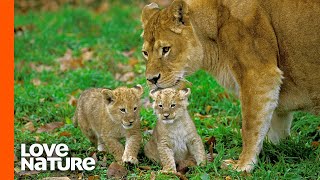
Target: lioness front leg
258, 102
132, 148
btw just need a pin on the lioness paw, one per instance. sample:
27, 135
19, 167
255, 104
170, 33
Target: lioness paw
237, 165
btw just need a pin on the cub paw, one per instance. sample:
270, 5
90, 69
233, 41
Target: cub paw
101, 148
211, 156
228, 163
203, 163
130, 159
168, 171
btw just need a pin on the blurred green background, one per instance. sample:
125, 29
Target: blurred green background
65, 46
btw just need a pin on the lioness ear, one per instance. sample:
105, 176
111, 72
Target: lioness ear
139, 89
108, 95
153, 94
148, 11
184, 93
179, 10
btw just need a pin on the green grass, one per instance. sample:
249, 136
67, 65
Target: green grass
47, 37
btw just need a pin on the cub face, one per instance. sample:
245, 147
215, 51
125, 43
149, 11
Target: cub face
170, 104
123, 105
170, 46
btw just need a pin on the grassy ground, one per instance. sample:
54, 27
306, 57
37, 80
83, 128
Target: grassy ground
45, 88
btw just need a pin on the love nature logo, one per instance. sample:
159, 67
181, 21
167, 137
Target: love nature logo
33, 159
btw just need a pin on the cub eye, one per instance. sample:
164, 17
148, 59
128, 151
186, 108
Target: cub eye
145, 53
165, 50
123, 110
173, 105
160, 105
135, 108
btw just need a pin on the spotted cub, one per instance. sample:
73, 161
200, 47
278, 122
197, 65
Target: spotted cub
105, 116
175, 138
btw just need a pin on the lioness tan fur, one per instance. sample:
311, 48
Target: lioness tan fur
175, 139
267, 51
105, 116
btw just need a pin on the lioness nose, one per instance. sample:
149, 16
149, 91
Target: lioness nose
154, 79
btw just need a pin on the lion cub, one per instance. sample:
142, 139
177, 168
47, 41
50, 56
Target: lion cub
175, 138
105, 116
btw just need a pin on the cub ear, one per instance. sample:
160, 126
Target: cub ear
148, 11
139, 89
184, 93
179, 10
108, 95
153, 94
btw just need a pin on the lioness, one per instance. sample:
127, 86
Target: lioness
268, 51
175, 138
105, 116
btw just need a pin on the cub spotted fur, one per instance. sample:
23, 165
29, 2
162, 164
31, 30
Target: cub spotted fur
105, 116
174, 139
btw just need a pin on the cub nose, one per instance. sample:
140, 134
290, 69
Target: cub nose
154, 79
166, 115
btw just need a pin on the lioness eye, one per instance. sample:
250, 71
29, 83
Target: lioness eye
145, 53
135, 108
173, 105
165, 50
123, 110
160, 105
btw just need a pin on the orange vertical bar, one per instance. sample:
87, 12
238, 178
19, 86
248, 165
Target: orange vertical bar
6, 88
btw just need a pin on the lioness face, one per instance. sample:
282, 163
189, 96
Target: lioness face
123, 105
170, 46
169, 104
